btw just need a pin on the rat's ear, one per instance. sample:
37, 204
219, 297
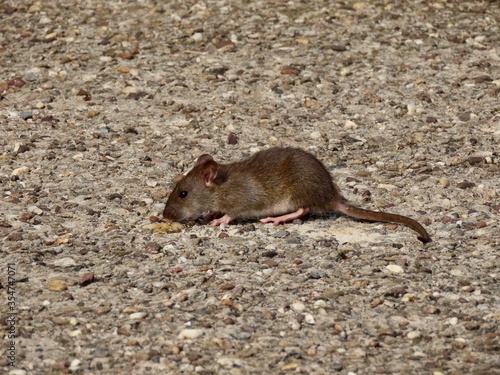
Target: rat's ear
203, 159
209, 172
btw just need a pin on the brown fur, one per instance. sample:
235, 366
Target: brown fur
272, 182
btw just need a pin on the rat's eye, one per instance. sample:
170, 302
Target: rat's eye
183, 194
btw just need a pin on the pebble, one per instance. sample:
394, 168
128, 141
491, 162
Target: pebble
64, 262
456, 272
350, 125
138, 315
57, 286
16, 82
190, 333
30, 77
26, 115
444, 182
298, 306
17, 371
315, 135
453, 321
395, 268
75, 333
75, 365
309, 319
281, 233
87, 278
317, 274
35, 210
414, 335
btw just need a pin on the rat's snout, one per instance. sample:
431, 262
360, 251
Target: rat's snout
170, 213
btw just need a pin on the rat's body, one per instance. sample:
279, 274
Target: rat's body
279, 184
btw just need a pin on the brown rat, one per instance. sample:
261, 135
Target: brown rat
278, 185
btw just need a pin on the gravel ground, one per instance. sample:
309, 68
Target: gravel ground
103, 103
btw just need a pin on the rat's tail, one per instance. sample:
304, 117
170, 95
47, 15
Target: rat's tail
360, 213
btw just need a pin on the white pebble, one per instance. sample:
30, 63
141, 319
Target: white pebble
138, 315
74, 333
456, 272
395, 268
315, 135
453, 321
35, 210
197, 37
350, 125
190, 333
75, 364
319, 303
17, 371
309, 318
65, 262
386, 186
20, 171
414, 335
298, 306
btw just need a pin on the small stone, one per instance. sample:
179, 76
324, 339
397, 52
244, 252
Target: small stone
431, 310
68, 296
26, 115
74, 333
47, 85
15, 236
197, 37
476, 160
458, 343
414, 335
65, 262
444, 182
453, 321
30, 77
75, 365
138, 315
465, 185
232, 139
25, 217
315, 135
472, 326
17, 371
35, 210
153, 248
419, 137
281, 233
270, 263
57, 286
481, 224
290, 70
456, 272
270, 254
350, 125
309, 319
20, 171
190, 333
16, 82
227, 287
317, 274
222, 43
395, 268
298, 306
87, 278
431, 120
465, 116
339, 47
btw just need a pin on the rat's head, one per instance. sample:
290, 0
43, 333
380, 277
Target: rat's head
195, 193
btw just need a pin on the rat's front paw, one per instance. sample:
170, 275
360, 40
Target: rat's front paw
223, 220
